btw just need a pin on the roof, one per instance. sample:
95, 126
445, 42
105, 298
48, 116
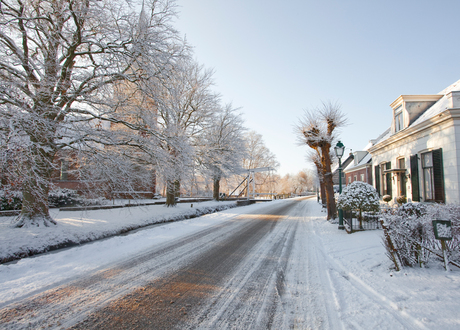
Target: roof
439, 106
364, 161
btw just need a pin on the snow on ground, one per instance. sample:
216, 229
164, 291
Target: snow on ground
427, 298
364, 287
83, 226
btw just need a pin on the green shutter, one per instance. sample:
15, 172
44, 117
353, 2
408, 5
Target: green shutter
414, 178
438, 176
388, 179
377, 178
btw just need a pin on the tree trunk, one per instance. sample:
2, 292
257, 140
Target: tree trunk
177, 188
35, 210
170, 193
329, 184
322, 188
216, 189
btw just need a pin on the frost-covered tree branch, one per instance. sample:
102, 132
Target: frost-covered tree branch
62, 67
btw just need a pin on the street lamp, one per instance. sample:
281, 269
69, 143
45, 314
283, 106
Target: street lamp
339, 150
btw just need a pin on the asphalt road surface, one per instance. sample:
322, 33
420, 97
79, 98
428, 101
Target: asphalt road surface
258, 270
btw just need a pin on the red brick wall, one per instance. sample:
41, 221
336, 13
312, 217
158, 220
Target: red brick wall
357, 173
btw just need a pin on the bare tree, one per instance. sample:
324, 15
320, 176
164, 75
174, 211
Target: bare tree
318, 129
60, 62
222, 146
258, 155
185, 105
305, 179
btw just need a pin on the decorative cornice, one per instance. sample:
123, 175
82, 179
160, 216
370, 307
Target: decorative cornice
446, 115
415, 98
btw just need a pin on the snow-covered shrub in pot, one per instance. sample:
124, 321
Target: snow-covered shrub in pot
401, 200
386, 198
359, 196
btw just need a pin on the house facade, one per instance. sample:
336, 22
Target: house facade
335, 170
360, 169
420, 155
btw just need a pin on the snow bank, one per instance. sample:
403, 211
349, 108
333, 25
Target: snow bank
76, 227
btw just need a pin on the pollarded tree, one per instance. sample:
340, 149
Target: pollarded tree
222, 146
318, 129
60, 62
315, 157
359, 196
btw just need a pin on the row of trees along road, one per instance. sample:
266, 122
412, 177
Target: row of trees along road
115, 91
318, 129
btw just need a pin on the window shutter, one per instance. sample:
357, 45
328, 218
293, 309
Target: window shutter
377, 178
438, 175
414, 178
388, 180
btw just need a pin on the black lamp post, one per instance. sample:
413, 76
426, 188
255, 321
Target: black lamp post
339, 150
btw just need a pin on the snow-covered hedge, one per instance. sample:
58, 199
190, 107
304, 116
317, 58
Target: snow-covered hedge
410, 236
359, 196
62, 197
10, 200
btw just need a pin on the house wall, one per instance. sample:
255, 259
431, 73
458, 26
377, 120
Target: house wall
365, 171
445, 135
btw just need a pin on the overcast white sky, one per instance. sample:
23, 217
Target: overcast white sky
275, 59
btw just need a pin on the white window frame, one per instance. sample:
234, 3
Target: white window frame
426, 159
399, 119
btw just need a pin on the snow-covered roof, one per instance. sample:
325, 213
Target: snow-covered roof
365, 160
385, 135
440, 106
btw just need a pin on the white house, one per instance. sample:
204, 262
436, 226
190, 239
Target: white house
420, 155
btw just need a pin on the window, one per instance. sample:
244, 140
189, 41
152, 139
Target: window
433, 176
428, 180
362, 177
386, 179
349, 179
355, 178
64, 169
399, 119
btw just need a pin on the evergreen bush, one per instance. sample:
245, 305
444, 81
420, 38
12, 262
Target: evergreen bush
63, 198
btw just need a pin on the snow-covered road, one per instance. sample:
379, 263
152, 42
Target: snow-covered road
267, 266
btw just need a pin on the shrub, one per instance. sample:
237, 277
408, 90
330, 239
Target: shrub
359, 196
386, 198
410, 237
63, 197
401, 200
10, 200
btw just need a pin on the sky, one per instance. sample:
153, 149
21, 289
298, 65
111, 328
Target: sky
277, 59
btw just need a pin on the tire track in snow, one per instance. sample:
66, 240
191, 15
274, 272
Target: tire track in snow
72, 302
250, 297
309, 301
